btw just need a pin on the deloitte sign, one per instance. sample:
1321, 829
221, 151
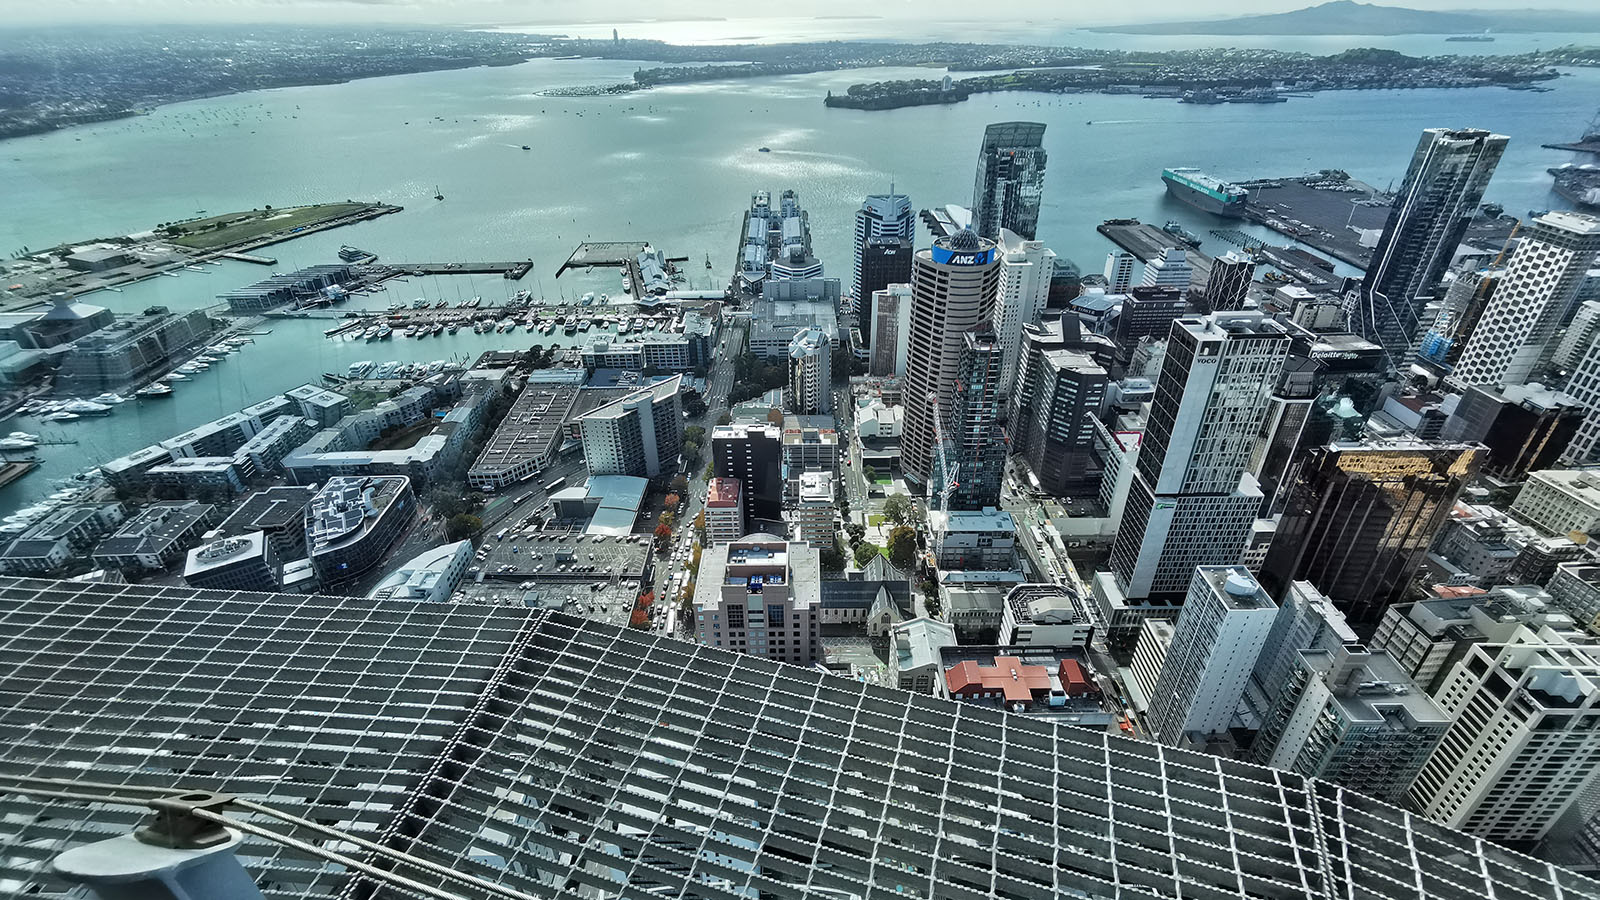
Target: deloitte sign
950, 257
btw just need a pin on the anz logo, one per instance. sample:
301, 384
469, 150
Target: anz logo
964, 259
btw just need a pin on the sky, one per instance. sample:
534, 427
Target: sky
513, 12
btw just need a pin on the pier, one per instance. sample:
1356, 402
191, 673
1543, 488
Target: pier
1148, 242
250, 258
513, 271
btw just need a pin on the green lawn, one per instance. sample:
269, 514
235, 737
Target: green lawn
236, 228
874, 521
883, 479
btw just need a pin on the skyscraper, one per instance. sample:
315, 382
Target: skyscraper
1026, 268
1518, 328
1353, 717
640, 434
953, 287
1525, 742
811, 373
885, 228
1361, 517
752, 454
1010, 183
1306, 620
1441, 191
891, 330
977, 447
1229, 282
1119, 271
1215, 643
1053, 431
1192, 501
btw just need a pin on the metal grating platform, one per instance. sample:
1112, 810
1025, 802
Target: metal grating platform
561, 757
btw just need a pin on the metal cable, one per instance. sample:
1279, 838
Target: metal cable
252, 806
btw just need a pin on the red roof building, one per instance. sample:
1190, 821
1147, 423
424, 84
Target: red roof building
1007, 679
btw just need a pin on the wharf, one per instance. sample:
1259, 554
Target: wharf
250, 258
513, 271
11, 471
1587, 145
622, 255
1148, 242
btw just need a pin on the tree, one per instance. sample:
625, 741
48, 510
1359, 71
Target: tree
832, 560
856, 531
694, 404
462, 526
668, 519
711, 470
691, 453
866, 552
694, 562
775, 417
930, 598
639, 619
671, 501
725, 419
663, 535
869, 473
678, 485
903, 547
899, 509
694, 433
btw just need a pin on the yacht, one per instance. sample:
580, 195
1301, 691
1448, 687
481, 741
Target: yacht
419, 303
189, 368
384, 331
371, 334
453, 327
174, 377
86, 408
110, 398
154, 390
59, 417
548, 327
360, 369
437, 328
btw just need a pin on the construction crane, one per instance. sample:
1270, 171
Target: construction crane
946, 476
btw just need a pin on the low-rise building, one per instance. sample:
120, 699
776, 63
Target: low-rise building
527, 439
322, 406
1058, 682
242, 562
1575, 590
156, 537
761, 596
1044, 614
603, 504
268, 448
130, 348
914, 662
810, 444
202, 476
351, 522
983, 540
976, 611
430, 576
63, 534
279, 514
342, 450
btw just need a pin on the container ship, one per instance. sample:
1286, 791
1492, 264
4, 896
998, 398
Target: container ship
1206, 192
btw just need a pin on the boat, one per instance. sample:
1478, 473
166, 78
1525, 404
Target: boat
531, 327
437, 328
59, 417
1470, 39
442, 304
583, 325
526, 147
411, 331
384, 332
110, 398
189, 368
174, 377
355, 254
86, 408
453, 327
371, 334
154, 390
12, 443
522, 296
419, 303
708, 260
437, 194
360, 369
570, 326
763, 149
548, 327
1206, 192
23, 436
1177, 230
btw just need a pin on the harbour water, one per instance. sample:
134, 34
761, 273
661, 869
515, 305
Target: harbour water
674, 166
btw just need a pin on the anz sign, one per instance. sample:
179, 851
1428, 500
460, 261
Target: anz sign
950, 257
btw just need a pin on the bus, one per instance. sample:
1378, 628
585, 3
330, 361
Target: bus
553, 486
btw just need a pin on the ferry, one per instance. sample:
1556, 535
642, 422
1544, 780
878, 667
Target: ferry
1206, 192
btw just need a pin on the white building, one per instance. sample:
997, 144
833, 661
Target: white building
724, 510
1526, 738
1581, 332
429, 576
640, 434
891, 330
875, 420
1169, 270
1026, 268
811, 373
761, 596
1306, 620
1043, 615
914, 663
811, 515
974, 540
1119, 271
1560, 501
1149, 657
1215, 644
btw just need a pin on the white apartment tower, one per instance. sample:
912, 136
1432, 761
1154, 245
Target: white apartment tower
1525, 742
811, 373
1026, 268
1215, 645
1119, 271
953, 287
891, 331
1518, 327
1169, 270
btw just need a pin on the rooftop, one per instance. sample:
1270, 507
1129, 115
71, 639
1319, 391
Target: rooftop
345, 709
722, 493
1375, 687
224, 552
415, 578
270, 510
530, 427
154, 528
348, 505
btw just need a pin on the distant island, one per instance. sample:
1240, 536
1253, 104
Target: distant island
1350, 17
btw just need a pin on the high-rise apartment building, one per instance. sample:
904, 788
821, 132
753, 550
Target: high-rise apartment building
762, 597
1026, 268
1119, 271
1351, 716
891, 331
1192, 502
1442, 189
1362, 516
1580, 334
976, 445
953, 287
1525, 742
1010, 183
1215, 644
1518, 329
1054, 434
1467, 293
1228, 283
724, 511
640, 434
1584, 386
753, 454
811, 373
1169, 270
